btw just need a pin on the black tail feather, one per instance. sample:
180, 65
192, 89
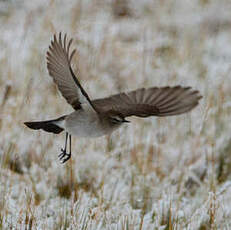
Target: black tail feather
48, 126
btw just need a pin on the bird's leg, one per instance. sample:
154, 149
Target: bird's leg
68, 155
64, 156
63, 151
69, 147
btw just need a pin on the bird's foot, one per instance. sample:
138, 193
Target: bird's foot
64, 156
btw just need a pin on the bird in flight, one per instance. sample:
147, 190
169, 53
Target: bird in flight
98, 117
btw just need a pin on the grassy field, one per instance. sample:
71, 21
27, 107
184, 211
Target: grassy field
155, 173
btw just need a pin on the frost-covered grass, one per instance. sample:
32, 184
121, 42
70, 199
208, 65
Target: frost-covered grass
156, 173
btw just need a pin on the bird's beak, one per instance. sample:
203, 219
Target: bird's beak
126, 121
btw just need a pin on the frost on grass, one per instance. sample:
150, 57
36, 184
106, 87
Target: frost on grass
156, 173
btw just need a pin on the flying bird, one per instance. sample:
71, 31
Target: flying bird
98, 117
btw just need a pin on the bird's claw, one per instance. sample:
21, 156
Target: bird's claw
64, 156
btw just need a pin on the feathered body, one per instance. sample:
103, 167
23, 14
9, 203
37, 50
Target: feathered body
94, 118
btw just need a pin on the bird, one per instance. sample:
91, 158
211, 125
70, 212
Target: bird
99, 117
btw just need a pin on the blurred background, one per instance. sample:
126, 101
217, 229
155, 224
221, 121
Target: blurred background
155, 173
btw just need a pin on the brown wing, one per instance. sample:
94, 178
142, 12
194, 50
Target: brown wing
59, 67
165, 101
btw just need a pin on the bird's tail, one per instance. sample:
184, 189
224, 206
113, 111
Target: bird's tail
51, 126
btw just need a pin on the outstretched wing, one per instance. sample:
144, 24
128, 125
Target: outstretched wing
59, 67
164, 101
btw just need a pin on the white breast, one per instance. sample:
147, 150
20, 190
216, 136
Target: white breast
85, 123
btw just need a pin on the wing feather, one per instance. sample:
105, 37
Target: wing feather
59, 67
163, 101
